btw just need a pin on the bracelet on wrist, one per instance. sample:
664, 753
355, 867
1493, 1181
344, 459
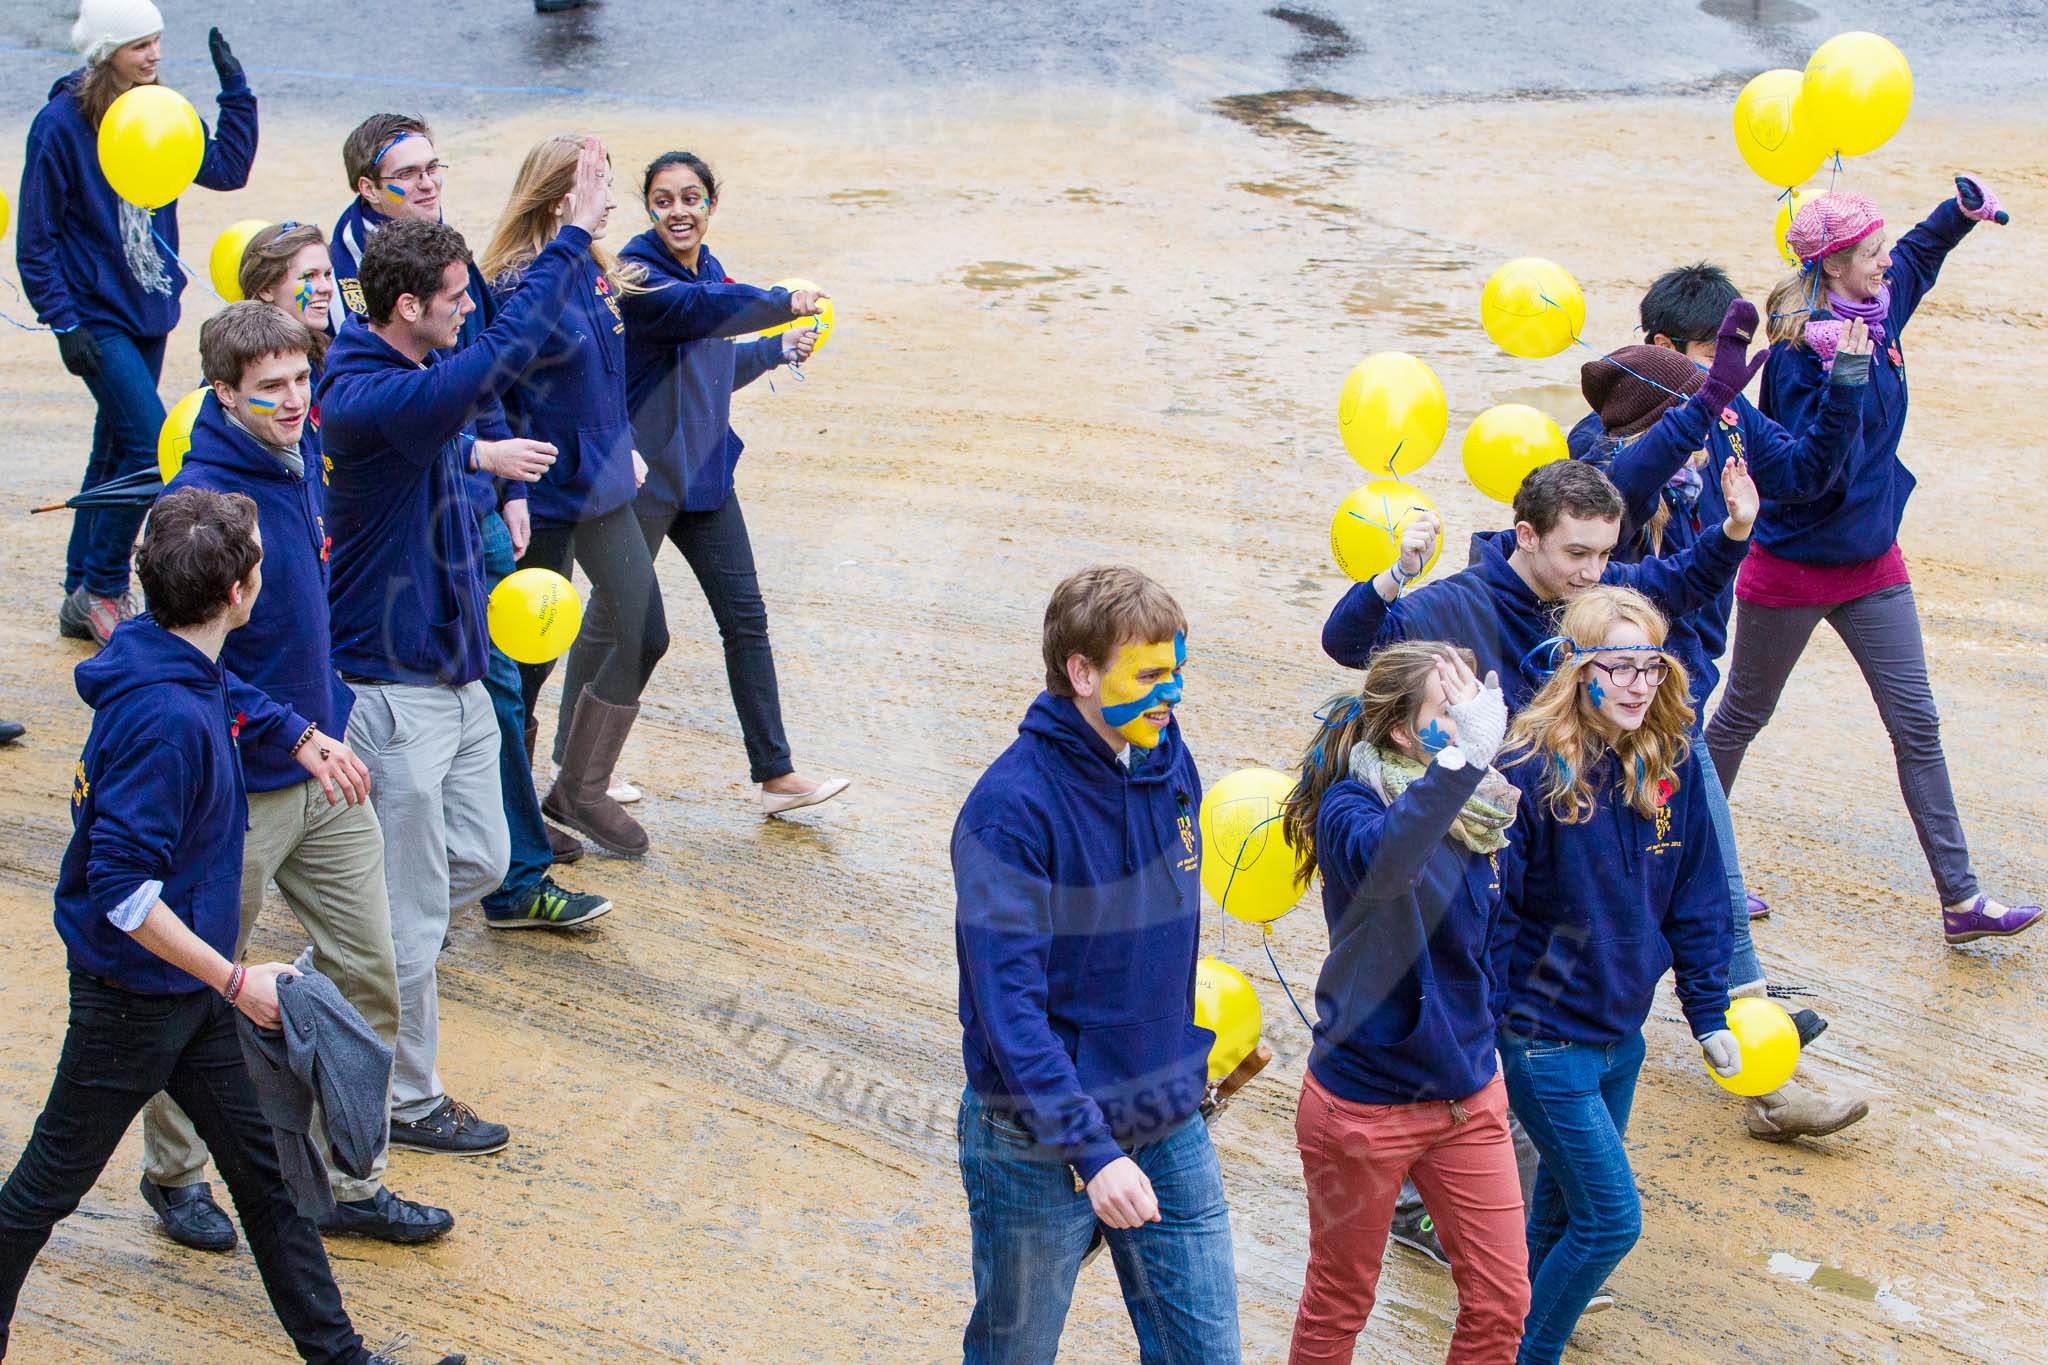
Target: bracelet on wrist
300, 743
235, 980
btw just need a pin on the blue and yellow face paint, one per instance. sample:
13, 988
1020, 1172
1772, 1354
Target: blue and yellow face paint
266, 406
303, 295
395, 190
1125, 700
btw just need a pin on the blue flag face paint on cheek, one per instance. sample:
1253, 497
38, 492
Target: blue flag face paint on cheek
266, 406
303, 295
1594, 692
396, 191
1433, 738
1125, 700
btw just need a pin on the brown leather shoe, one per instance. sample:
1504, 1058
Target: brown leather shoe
578, 797
563, 847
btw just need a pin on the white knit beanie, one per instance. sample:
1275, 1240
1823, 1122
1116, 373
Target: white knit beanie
106, 25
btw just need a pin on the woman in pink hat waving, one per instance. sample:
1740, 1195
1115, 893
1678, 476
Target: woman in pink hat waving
1836, 557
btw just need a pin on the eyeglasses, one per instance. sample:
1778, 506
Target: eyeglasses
411, 174
1626, 672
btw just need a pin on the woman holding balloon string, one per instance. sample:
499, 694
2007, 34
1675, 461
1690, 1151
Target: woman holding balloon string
100, 266
1837, 558
1399, 809
681, 371
1618, 880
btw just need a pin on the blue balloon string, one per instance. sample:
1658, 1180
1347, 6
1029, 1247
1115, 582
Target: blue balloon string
190, 273
29, 326
1282, 978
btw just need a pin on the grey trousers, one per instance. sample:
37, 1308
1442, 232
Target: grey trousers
432, 753
328, 861
1882, 631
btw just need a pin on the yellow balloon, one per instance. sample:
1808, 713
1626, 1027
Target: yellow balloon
1532, 308
534, 615
823, 322
1227, 1006
1248, 864
225, 264
1365, 534
151, 144
1774, 131
1857, 89
174, 437
1391, 413
1770, 1047
3, 213
1788, 208
1504, 443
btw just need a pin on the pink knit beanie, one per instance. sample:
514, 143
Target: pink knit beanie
1829, 222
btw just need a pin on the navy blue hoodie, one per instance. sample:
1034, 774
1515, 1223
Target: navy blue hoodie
158, 796
1404, 1005
572, 394
681, 372
283, 650
68, 247
345, 248
1489, 609
1787, 468
1857, 518
1600, 910
1077, 922
407, 569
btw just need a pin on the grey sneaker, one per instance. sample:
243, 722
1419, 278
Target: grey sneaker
1417, 1232
73, 620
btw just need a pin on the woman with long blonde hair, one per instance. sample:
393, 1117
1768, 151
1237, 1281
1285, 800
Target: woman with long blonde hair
1620, 880
1836, 558
1399, 809
573, 397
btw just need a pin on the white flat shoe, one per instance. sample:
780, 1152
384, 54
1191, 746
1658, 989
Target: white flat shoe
775, 803
625, 793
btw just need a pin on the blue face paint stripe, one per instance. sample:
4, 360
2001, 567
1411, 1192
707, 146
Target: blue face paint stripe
261, 404
1434, 738
1167, 692
395, 191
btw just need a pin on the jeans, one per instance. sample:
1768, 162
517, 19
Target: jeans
1355, 1158
119, 1049
1882, 631
124, 435
614, 555
1573, 1100
328, 860
432, 753
1743, 968
531, 854
1031, 1228
720, 553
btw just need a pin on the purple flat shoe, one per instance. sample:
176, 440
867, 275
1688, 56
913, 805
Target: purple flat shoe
1759, 908
1967, 926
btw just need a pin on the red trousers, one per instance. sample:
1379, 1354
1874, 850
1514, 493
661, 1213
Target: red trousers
1463, 1164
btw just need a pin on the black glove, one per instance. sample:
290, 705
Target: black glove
81, 353
225, 62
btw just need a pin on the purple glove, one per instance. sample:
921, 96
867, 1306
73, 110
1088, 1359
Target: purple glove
1732, 369
1979, 203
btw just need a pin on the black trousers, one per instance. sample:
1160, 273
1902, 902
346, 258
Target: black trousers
612, 551
719, 552
120, 1049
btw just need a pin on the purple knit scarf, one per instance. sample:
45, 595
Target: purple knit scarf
1825, 334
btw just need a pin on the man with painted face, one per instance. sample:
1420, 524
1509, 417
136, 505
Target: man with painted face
1077, 925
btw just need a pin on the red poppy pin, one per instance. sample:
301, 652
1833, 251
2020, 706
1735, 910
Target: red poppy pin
1664, 791
1893, 352
1728, 417
604, 286
235, 730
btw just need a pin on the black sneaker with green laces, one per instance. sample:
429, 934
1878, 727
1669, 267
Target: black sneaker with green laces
548, 906
1417, 1231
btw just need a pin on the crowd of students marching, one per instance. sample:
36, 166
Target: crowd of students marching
393, 423
1519, 821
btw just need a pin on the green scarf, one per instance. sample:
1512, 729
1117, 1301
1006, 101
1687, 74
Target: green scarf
1481, 826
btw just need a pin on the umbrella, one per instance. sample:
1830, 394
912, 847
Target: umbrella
138, 489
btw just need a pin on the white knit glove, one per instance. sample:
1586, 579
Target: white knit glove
1722, 1052
1482, 722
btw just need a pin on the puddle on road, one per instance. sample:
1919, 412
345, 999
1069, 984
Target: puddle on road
1836, 1280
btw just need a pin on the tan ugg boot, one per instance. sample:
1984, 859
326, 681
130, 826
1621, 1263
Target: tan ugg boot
578, 797
1792, 1111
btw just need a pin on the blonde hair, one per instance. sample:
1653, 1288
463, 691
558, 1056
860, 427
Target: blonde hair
1792, 300
530, 219
1396, 681
1562, 729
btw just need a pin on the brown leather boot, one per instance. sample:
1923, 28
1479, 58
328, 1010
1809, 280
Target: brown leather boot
563, 847
578, 797
1792, 1111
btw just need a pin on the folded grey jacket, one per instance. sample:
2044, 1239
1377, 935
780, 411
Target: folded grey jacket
324, 1054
